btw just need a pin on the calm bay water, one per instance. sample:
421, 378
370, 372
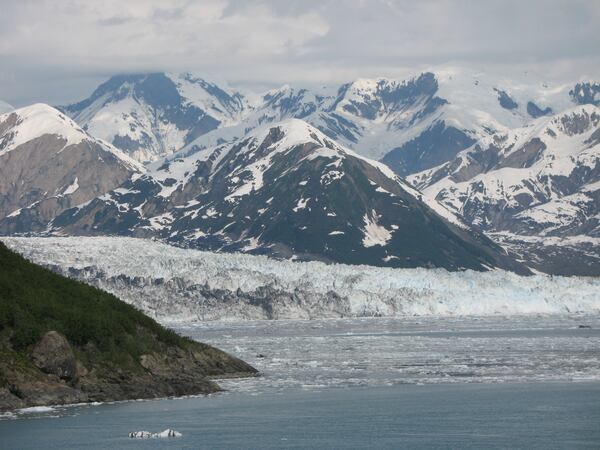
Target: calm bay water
526, 415
365, 383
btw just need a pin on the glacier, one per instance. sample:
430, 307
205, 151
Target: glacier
176, 285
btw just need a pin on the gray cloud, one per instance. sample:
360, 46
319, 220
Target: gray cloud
58, 51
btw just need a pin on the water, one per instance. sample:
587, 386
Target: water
384, 351
536, 415
531, 382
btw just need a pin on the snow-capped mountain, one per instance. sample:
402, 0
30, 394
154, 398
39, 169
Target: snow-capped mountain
290, 191
48, 164
5, 107
412, 124
453, 131
541, 180
150, 116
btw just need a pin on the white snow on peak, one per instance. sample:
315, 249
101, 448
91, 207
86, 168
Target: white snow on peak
556, 147
197, 91
40, 119
37, 120
564, 152
149, 132
295, 132
472, 105
128, 118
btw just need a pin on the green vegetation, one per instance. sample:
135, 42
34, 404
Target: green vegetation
34, 300
101, 348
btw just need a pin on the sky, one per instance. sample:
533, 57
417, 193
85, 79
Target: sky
58, 51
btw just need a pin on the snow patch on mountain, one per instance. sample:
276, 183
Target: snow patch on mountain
563, 144
375, 234
72, 187
539, 180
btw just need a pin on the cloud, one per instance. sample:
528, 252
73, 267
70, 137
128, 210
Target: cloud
57, 51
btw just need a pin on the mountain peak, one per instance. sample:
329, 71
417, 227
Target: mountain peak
48, 163
292, 133
31, 122
153, 115
297, 131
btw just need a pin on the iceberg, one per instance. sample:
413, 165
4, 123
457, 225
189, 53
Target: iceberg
148, 435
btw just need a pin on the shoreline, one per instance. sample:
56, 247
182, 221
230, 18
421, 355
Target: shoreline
28, 413
44, 412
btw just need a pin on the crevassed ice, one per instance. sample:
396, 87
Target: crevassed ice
174, 284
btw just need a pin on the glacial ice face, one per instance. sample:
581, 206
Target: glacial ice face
182, 285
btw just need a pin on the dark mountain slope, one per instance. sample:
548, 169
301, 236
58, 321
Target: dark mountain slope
289, 191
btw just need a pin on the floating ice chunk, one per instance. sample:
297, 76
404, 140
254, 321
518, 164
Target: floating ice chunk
168, 433
36, 409
148, 435
140, 434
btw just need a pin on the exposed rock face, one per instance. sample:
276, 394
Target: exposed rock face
505, 100
63, 379
26, 385
43, 392
586, 93
433, 147
49, 164
535, 111
10, 401
54, 355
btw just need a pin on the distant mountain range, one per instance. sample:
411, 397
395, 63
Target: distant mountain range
293, 172
413, 124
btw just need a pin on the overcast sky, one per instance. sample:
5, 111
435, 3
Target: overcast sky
57, 51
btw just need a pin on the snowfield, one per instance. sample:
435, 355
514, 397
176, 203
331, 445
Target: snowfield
182, 285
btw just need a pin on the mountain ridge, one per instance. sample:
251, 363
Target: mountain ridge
290, 191
540, 181
377, 117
